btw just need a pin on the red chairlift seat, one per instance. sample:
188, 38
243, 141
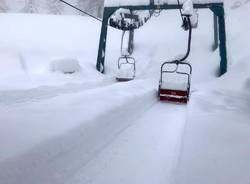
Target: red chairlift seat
175, 91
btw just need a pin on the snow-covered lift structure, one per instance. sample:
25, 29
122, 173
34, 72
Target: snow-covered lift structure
216, 6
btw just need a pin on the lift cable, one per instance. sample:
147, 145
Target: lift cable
100, 20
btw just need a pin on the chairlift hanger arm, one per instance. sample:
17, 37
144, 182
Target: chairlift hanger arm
189, 38
189, 44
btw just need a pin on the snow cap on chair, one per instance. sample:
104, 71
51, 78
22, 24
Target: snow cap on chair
188, 7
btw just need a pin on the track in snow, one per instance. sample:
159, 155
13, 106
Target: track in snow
126, 145
146, 152
12, 97
68, 138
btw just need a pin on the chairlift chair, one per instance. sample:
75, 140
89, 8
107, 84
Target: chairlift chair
126, 65
177, 91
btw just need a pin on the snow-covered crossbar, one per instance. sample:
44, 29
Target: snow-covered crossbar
115, 3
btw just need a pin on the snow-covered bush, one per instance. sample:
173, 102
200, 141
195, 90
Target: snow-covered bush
239, 3
247, 84
94, 7
54, 6
236, 5
30, 7
3, 6
65, 65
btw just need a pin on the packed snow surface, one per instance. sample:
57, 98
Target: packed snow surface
87, 128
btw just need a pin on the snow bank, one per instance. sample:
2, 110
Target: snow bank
26, 52
11, 63
238, 44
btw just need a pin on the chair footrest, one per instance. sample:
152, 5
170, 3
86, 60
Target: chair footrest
173, 92
173, 99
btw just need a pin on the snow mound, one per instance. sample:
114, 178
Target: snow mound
65, 65
11, 63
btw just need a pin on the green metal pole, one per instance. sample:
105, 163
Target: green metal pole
223, 50
102, 47
216, 39
131, 42
219, 11
103, 39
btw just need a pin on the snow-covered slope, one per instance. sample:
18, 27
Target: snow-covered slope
86, 128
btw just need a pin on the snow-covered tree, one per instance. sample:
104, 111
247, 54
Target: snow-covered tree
30, 7
100, 8
3, 6
94, 7
82, 4
54, 7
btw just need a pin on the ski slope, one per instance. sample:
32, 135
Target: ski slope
87, 128
146, 152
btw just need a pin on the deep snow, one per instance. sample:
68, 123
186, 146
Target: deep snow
86, 128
